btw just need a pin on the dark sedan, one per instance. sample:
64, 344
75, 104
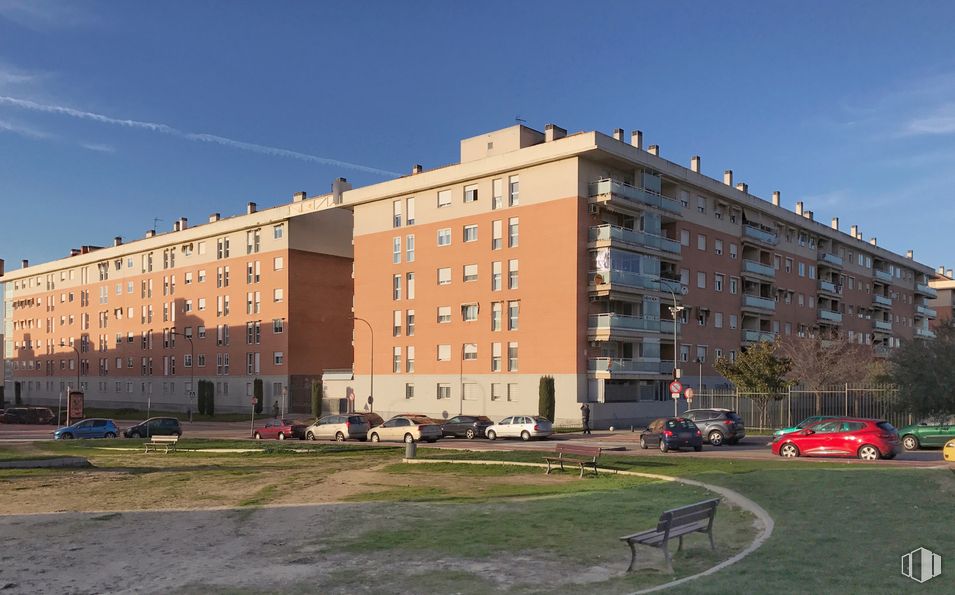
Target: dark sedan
466, 426
672, 432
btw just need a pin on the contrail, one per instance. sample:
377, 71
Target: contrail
193, 136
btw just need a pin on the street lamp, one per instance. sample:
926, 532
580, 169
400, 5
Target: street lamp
674, 310
192, 369
699, 360
73, 347
372, 364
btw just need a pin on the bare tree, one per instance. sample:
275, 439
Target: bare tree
759, 370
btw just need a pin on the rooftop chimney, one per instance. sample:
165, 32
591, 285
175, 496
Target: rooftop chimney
654, 150
873, 242
743, 187
416, 169
618, 134
909, 254
636, 139
728, 177
74, 251
176, 225
854, 231
553, 132
799, 208
807, 215
24, 263
775, 198
695, 163
299, 196
949, 274
183, 223
250, 208
835, 223
214, 217
1, 267
118, 241
150, 233
339, 186
941, 270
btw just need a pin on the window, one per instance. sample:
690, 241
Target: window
410, 215
469, 312
444, 276
495, 357
396, 213
409, 326
396, 360
718, 247
471, 193
700, 353
497, 391
732, 320
733, 251
396, 323
470, 351
495, 276
512, 357
700, 242
497, 193
409, 277
278, 263
409, 390
802, 269
470, 233
513, 311
278, 294
700, 204
812, 271
496, 313
734, 285
789, 265
514, 191
444, 314
684, 199
701, 279
444, 390
396, 287
396, 250
470, 272
718, 282
409, 362
718, 319
684, 237
512, 273
278, 358
252, 240
444, 198
444, 236
513, 225
409, 248
497, 237
444, 353
278, 231
278, 325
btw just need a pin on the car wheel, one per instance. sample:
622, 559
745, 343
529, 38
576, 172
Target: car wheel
715, 437
525, 435
867, 452
698, 448
66, 436
309, 435
789, 450
409, 438
109, 435
663, 446
910, 442
491, 435
257, 436
643, 444
339, 437
135, 435
281, 436
470, 434
375, 438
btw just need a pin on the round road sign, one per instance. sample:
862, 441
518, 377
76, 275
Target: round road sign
688, 394
676, 387
254, 401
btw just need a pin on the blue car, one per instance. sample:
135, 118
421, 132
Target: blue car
88, 428
669, 433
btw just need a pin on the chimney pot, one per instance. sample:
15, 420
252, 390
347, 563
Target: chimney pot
742, 187
835, 223
941, 270
299, 196
695, 163
909, 254
776, 196
799, 208
339, 187
728, 177
873, 241
949, 273
654, 150
636, 139
553, 132
618, 134
214, 217
416, 169
183, 223
176, 225
118, 241
854, 231
24, 263
150, 233
808, 215
250, 208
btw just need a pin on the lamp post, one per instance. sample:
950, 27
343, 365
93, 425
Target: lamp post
674, 310
372, 358
73, 347
192, 369
699, 360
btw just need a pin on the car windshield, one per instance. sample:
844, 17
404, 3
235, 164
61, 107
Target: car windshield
680, 424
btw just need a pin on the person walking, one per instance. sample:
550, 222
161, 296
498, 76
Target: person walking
275, 409
585, 417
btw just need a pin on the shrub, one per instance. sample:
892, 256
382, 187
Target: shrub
258, 392
547, 402
316, 398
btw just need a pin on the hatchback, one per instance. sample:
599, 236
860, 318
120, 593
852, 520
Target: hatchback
406, 428
88, 428
338, 427
672, 432
274, 428
718, 426
868, 439
154, 426
803, 424
524, 427
928, 433
466, 426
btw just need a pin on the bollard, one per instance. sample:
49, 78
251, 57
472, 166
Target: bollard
411, 450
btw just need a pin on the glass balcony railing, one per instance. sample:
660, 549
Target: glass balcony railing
924, 333
830, 287
926, 290
882, 300
829, 315
882, 275
754, 301
925, 311
628, 366
632, 193
882, 325
830, 259
633, 237
625, 279
751, 336
623, 322
761, 235
758, 268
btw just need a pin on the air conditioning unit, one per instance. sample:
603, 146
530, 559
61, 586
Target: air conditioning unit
594, 209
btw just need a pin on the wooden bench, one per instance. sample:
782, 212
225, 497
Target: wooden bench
675, 523
591, 452
167, 443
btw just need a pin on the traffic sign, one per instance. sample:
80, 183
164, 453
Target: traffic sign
255, 401
351, 397
676, 387
675, 396
688, 394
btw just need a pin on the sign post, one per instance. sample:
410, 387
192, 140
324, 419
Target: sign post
688, 393
252, 423
675, 389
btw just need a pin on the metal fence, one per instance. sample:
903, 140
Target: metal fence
765, 411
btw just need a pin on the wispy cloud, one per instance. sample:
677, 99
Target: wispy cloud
46, 14
100, 148
942, 121
21, 130
192, 136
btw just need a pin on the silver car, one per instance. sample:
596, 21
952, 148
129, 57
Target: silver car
338, 427
524, 427
406, 428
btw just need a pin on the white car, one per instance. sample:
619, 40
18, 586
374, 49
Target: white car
524, 427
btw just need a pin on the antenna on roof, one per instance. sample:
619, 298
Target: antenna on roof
519, 119
155, 221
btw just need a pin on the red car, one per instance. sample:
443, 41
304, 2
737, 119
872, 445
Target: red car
274, 428
868, 439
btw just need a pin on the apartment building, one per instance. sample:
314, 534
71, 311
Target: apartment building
263, 295
944, 284
566, 255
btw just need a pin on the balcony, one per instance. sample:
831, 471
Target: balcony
881, 275
881, 301
637, 239
759, 303
925, 311
760, 235
924, 333
628, 367
622, 322
750, 336
623, 279
829, 287
830, 259
882, 325
607, 187
923, 289
829, 316
758, 268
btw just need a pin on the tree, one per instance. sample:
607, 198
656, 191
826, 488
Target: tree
201, 397
210, 399
760, 371
316, 398
547, 399
924, 374
258, 393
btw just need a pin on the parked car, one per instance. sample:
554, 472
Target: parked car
406, 428
949, 451
372, 418
154, 426
718, 426
273, 429
524, 427
868, 439
348, 426
88, 428
28, 415
803, 424
298, 428
672, 432
466, 426
928, 433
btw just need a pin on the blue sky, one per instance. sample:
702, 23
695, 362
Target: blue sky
116, 113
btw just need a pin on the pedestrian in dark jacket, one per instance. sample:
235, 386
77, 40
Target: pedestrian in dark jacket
585, 417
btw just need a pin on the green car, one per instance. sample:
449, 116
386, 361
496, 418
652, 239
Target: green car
933, 432
803, 424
